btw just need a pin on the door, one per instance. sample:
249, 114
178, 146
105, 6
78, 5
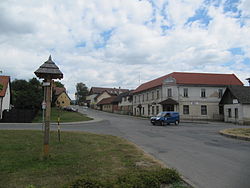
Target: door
168, 107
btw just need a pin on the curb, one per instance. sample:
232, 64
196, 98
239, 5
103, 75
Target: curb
234, 136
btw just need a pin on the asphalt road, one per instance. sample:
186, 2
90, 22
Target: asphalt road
196, 150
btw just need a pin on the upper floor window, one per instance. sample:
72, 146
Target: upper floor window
169, 92
139, 98
157, 94
143, 98
125, 98
220, 93
147, 97
203, 93
153, 95
135, 99
229, 112
185, 92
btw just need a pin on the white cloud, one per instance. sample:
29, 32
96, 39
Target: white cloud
136, 45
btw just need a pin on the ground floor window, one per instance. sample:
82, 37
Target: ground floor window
153, 110
229, 112
185, 109
142, 110
203, 110
236, 113
157, 109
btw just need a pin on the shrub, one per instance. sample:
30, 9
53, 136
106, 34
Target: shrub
134, 179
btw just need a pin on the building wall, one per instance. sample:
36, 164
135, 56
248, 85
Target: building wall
62, 100
125, 106
5, 101
231, 118
91, 98
193, 100
107, 107
246, 113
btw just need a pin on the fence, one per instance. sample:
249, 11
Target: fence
18, 116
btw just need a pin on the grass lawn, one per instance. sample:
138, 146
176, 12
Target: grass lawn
77, 157
243, 132
65, 116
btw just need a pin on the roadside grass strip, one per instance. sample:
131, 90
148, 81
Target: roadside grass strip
65, 116
79, 160
238, 133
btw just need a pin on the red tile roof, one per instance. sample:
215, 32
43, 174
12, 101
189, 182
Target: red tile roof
192, 79
59, 90
4, 80
107, 100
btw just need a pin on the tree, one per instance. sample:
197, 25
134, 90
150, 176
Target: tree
27, 94
81, 92
58, 84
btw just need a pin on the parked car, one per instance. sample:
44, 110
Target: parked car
70, 108
166, 117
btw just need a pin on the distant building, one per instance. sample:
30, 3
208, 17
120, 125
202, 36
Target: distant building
236, 103
94, 94
62, 98
193, 95
5, 94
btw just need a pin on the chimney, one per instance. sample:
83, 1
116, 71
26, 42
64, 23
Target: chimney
248, 79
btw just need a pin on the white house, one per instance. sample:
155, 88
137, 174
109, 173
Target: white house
4, 94
193, 95
236, 103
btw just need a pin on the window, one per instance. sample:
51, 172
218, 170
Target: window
169, 92
142, 110
185, 92
153, 110
203, 93
236, 113
139, 98
135, 99
148, 110
147, 97
157, 109
220, 93
185, 109
221, 110
229, 112
143, 98
153, 95
203, 110
125, 98
157, 94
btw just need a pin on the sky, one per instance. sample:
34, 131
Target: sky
123, 43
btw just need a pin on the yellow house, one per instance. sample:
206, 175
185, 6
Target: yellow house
62, 99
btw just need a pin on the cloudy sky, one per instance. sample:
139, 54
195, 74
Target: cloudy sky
112, 43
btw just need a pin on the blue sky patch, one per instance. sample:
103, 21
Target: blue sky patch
80, 45
236, 51
105, 35
246, 61
200, 15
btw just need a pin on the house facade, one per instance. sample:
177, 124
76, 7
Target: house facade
5, 94
95, 92
236, 104
125, 103
62, 98
107, 104
193, 95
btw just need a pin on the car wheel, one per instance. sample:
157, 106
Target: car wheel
176, 122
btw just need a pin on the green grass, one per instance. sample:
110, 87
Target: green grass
72, 161
243, 132
65, 116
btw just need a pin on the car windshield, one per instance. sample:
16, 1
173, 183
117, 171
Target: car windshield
161, 114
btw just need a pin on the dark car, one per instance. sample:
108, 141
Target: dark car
166, 117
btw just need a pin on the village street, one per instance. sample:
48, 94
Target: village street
196, 150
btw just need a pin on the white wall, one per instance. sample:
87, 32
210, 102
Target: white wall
6, 100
